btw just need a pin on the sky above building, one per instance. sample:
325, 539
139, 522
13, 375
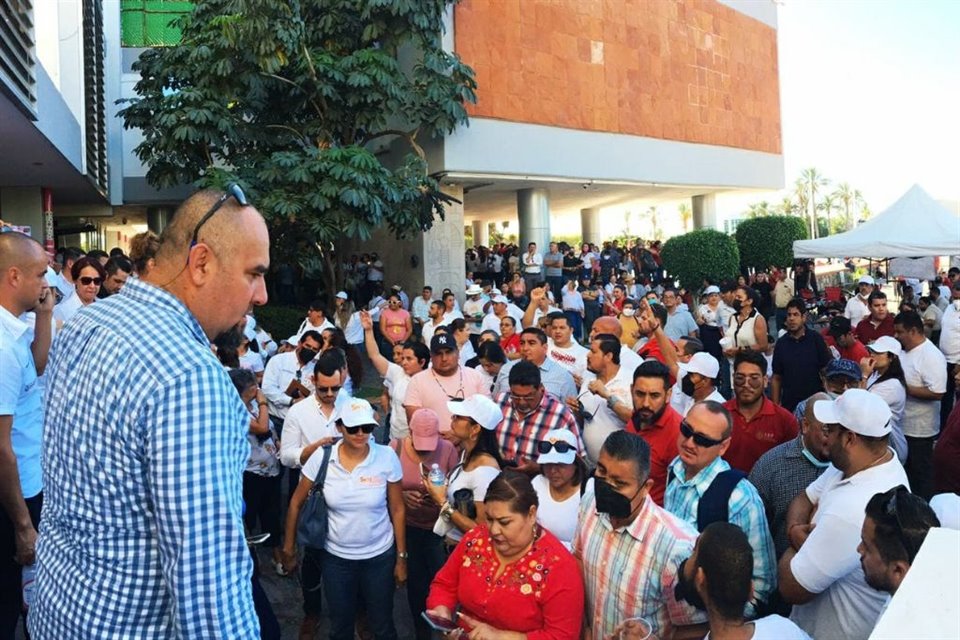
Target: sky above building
870, 92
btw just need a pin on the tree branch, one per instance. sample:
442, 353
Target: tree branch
409, 136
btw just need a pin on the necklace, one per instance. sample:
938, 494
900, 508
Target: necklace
459, 395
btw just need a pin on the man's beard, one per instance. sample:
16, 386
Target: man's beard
640, 421
230, 339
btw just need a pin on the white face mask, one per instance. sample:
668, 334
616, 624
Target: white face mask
629, 312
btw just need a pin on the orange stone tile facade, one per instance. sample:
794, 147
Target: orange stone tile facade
686, 70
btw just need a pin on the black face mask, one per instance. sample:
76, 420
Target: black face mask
685, 590
737, 305
610, 502
687, 386
306, 355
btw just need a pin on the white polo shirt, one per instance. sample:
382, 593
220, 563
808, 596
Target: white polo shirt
305, 424
358, 517
604, 421
923, 366
828, 563
397, 382
856, 310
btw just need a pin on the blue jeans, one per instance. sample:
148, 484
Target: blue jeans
576, 323
347, 583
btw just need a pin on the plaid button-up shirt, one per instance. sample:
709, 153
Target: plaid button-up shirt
632, 571
745, 510
145, 442
518, 435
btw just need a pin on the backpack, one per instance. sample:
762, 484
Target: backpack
714, 505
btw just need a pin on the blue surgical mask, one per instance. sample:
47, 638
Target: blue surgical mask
812, 459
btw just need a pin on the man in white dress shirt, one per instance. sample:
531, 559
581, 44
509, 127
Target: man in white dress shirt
857, 308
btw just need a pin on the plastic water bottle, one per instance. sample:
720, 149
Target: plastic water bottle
28, 584
436, 475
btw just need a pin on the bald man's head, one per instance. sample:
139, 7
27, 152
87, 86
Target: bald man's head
606, 324
220, 277
23, 271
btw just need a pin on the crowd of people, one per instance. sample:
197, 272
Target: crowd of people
576, 448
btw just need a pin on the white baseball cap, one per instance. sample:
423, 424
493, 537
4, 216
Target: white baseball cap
500, 299
866, 280
886, 344
702, 363
355, 413
478, 408
553, 456
342, 295
711, 289
858, 410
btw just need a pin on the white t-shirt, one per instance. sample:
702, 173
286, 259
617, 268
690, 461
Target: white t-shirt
828, 563
539, 313
895, 396
251, 361
307, 326
923, 366
428, 330
559, 518
353, 332
682, 403
949, 334
629, 359
304, 425
856, 310
477, 481
471, 309
357, 514
604, 421
775, 628
67, 308
398, 382
572, 358
467, 352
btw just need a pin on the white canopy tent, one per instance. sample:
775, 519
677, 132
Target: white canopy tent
915, 226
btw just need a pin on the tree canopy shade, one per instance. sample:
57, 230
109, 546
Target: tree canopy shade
769, 240
700, 254
287, 96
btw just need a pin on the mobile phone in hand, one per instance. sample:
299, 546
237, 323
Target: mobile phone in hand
439, 624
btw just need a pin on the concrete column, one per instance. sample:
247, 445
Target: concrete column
443, 248
481, 233
158, 218
590, 226
533, 213
704, 211
23, 207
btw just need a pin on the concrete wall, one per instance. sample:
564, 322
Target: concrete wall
23, 206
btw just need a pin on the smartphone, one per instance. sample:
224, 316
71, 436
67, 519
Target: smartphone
439, 624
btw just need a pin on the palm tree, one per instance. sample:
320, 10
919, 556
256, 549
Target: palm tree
685, 215
787, 206
827, 205
652, 214
813, 182
758, 209
845, 195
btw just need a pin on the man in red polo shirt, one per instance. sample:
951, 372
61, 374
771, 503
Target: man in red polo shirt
758, 424
655, 421
878, 323
842, 342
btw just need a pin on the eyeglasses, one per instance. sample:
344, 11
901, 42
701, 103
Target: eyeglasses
528, 398
328, 390
754, 379
87, 281
233, 191
366, 428
698, 438
545, 446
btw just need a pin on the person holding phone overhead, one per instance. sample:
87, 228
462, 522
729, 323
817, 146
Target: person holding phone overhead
365, 553
510, 577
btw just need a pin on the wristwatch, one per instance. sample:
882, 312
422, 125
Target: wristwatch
403, 555
446, 511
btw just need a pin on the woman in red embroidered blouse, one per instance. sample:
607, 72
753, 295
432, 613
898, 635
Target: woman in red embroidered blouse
510, 578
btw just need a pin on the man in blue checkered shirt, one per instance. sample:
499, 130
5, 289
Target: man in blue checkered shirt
145, 444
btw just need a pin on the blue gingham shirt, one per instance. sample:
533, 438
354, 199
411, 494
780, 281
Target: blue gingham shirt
144, 446
745, 510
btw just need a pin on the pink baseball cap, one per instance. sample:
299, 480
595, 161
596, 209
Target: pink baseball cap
425, 429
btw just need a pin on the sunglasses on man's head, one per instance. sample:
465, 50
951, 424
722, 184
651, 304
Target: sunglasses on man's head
233, 191
366, 428
698, 438
562, 447
87, 281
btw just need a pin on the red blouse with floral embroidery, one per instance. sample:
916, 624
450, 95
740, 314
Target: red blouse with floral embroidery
541, 594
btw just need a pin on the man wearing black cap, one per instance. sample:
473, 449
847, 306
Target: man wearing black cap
443, 381
842, 342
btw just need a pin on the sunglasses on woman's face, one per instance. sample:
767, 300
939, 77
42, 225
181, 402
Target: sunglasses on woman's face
366, 428
87, 281
562, 447
698, 438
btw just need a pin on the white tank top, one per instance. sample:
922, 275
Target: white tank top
743, 335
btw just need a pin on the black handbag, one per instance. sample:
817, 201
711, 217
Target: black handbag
312, 524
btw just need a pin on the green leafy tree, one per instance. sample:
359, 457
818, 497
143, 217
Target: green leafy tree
813, 183
845, 196
758, 209
704, 253
686, 215
291, 99
769, 240
828, 205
